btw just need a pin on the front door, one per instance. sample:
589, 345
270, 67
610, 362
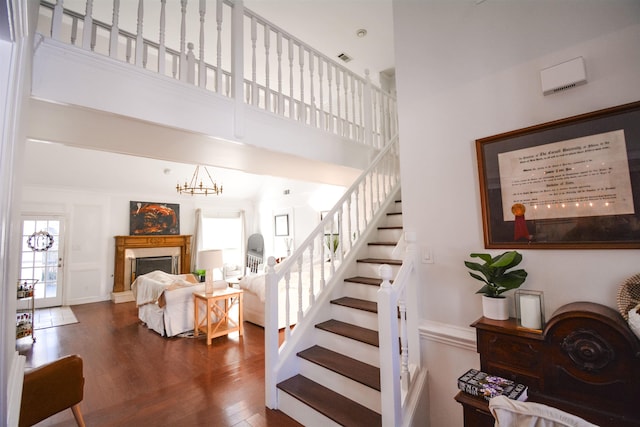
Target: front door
41, 257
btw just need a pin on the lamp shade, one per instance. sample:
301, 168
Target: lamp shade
210, 259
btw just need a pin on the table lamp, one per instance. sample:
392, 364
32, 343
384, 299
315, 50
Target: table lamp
209, 260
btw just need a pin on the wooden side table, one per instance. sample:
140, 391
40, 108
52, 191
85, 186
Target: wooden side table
224, 323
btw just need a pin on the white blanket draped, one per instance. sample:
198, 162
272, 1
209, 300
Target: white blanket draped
149, 287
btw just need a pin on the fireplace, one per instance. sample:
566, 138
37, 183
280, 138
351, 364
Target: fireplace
147, 264
131, 248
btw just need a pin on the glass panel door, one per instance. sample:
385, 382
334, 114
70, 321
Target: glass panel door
41, 257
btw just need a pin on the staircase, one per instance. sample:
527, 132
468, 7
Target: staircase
339, 377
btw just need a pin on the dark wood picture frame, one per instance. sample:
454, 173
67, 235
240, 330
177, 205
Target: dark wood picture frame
281, 225
620, 230
148, 218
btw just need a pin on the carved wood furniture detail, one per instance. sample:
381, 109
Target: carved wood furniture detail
586, 362
152, 241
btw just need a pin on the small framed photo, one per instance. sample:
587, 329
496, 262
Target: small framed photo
282, 225
530, 309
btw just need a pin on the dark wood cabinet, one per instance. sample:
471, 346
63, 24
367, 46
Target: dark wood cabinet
586, 361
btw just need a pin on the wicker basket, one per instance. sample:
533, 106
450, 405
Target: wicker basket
628, 295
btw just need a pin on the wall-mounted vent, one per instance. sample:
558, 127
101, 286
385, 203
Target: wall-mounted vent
563, 76
344, 57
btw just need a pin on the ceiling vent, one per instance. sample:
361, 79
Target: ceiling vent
344, 57
563, 76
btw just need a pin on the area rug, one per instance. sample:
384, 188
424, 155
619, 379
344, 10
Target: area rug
54, 316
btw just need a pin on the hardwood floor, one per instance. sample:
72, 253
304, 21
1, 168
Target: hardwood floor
135, 377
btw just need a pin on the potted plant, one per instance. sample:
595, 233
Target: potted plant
498, 277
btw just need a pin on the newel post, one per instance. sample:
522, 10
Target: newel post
271, 334
412, 257
389, 350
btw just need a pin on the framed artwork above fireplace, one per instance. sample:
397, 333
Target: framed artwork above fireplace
148, 218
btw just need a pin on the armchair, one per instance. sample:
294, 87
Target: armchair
52, 388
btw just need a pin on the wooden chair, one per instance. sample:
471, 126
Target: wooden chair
52, 388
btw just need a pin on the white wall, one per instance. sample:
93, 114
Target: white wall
93, 218
466, 71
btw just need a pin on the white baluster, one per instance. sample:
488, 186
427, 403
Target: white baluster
322, 261
219, 46
191, 64
162, 48
300, 312
361, 103
254, 39
312, 97
349, 220
129, 48
267, 44
202, 72
404, 347
145, 55
354, 130
94, 30
312, 293
321, 90
368, 111
338, 115
356, 194
139, 38
287, 304
115, 31
346, 104
280, 106
183, 30
291, 98
88, 26
56, 23
330, 126
174, 66
74, 30
376, 131
303, 108
271, 343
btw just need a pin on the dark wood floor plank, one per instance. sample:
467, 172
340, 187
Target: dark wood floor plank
135, 377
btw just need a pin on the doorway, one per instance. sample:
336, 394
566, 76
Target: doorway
41, 257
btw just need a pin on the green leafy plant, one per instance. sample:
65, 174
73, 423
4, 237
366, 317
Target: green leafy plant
332, 241
497, 277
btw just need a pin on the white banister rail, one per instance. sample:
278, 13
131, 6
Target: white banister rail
296, 81
299, 281
397, 334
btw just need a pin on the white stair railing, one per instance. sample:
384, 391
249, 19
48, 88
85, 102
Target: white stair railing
400, 357
294, 286
284, 75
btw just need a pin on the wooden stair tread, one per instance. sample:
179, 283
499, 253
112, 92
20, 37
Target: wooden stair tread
390, 227
357, 303
356, 370
374, 281
382, 243
394, 213
329, 403
358, 333
381, 261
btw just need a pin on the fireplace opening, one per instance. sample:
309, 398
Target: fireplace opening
144, 265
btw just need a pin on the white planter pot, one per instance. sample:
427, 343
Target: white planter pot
495, 308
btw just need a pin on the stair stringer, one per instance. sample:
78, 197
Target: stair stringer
303, 335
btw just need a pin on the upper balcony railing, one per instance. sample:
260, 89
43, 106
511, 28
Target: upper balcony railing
239, 55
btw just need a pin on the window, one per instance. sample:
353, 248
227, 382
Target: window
224, 231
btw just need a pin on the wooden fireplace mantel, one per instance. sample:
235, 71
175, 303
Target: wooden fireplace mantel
153, 241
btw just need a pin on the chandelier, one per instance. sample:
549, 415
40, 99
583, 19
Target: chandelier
199, 186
